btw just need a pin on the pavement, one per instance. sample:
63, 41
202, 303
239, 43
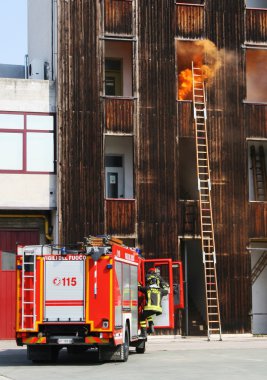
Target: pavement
167, 357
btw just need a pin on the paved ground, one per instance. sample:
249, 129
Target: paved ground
235, 358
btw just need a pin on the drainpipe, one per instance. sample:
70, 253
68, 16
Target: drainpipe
38, 216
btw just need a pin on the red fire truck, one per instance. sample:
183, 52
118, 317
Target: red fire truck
86, 299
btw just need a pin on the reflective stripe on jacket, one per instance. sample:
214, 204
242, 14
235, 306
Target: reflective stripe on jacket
153, 297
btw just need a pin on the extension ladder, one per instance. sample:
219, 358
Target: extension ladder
28, 302
204, 188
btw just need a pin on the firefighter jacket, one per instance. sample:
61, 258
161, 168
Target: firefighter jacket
154, 290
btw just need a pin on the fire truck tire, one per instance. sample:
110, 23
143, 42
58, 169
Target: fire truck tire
141, 348
125, 346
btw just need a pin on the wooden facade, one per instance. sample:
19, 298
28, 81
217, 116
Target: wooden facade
156, 217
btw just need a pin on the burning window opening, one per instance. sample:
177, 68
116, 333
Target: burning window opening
204, 54
256, 65
261, 4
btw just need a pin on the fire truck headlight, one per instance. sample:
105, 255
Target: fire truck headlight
105, 323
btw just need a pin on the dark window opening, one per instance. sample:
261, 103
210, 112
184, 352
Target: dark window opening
113, 77
257, 161
188, 169
113, 161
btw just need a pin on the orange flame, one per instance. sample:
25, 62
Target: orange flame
185, 84
185, 80
197, 52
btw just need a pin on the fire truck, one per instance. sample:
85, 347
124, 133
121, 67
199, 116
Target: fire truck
86, 298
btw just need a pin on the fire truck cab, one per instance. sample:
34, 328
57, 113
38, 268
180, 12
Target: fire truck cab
82, 299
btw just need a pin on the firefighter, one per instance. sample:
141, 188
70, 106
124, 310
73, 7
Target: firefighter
154, 290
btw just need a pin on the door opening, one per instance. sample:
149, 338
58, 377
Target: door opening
194, 317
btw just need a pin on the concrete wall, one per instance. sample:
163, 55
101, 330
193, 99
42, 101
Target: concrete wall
27, 95
41, 35
27, 191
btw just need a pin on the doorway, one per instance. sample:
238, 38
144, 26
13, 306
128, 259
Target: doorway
194, 317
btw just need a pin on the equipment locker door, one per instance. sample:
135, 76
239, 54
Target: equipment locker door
64, 288
171, 272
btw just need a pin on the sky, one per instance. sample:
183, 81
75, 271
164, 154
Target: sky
13, 31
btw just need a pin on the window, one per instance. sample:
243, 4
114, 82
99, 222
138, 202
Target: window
27, 143
205, 55
257, 163
118, 68
119, 167
113, 77
8, 261
256, 4
114, 176
255, 72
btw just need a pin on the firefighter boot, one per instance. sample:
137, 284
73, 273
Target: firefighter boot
143, 332
151, 329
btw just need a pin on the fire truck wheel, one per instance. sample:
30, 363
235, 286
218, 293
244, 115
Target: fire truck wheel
141, 348
125, 346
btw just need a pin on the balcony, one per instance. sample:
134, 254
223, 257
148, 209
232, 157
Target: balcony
256, 26
118, 17
257, 216
120, 216
119, 114
189, 20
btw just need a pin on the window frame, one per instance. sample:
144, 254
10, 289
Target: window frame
24, 131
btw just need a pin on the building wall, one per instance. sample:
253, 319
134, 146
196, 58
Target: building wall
81, 212
160, 125
42, 42
23, 95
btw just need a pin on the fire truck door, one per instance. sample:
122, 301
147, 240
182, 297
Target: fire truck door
64, 288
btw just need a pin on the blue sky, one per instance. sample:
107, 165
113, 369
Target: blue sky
13, 31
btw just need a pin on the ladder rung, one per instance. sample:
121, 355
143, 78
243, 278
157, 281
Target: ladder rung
28, 289
27, 302
28, 316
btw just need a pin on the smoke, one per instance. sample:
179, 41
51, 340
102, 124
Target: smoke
205, 55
